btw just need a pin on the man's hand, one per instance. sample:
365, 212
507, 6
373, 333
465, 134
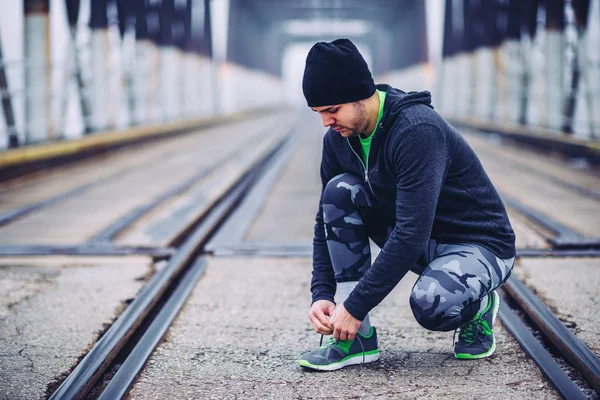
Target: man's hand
319, 315
344, 324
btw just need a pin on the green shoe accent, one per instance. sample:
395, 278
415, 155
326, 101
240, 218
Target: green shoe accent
467, 356
335, 354
476, 337
487, 307
371, 332
470, 330
343, 362
343, 345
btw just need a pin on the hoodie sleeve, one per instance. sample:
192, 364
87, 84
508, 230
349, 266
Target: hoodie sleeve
421, 160
323, 280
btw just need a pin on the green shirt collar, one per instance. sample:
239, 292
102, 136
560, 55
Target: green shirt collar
381, 101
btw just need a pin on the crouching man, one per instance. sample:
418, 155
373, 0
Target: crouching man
394, 171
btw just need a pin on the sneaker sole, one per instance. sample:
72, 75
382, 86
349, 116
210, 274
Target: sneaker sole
467, 356
354, 360
496, 308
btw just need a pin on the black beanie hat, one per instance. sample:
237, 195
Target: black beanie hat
336, 73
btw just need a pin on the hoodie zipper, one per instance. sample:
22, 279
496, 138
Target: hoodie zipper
363, 165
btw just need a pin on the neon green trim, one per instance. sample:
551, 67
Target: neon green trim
486, 328
369, 335
345, 345
366, 143
468, 332
467, 356
489, 304
304, 363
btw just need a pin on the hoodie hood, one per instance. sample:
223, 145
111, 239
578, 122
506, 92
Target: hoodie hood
396, 100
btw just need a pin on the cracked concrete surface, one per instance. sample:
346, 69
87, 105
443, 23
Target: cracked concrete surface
244, 326
52, 311
569, 286
18, 283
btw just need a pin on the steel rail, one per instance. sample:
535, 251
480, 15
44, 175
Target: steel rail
236, 227
103, 249
93, 365
12, 215
531, 136
582, 190
112, 230
566, 237
125, 376
561, 253
542, 219
570, 347
304, 249
547, 365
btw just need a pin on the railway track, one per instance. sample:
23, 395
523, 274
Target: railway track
539, 329
561, 356
541, 321
133, 336
535, 333
110, 368
129, 169
563, 237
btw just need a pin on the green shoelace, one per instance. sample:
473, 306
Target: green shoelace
342, 344
477, 328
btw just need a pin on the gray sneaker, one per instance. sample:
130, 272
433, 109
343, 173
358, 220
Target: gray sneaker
476, 338
336, 354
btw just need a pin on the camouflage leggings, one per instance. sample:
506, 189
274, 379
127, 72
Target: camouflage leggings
452, 277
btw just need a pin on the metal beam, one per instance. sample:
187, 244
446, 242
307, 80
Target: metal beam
7, 108
37, 70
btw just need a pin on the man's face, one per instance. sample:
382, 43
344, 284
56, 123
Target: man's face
348, 119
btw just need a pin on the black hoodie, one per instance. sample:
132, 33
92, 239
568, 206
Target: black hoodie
424, 175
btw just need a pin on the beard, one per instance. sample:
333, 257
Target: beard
359, 123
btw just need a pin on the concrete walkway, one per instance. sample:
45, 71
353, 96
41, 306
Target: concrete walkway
239, 335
